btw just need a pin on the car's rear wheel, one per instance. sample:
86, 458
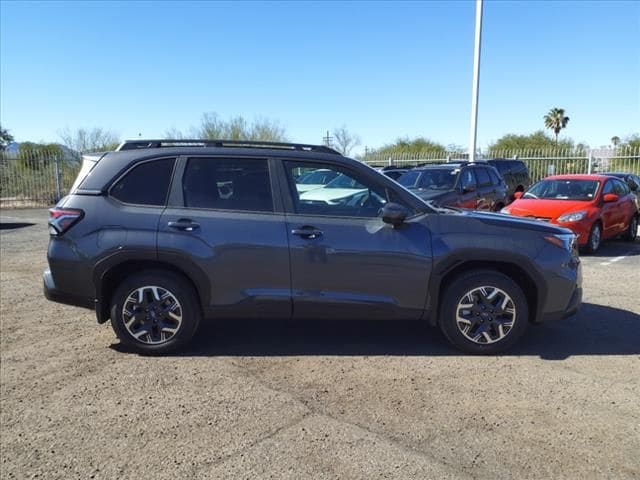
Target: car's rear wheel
632, 231
483, 312
595, 238
155, 312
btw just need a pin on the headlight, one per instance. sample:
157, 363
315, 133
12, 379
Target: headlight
573, 216
566, 241
506, 211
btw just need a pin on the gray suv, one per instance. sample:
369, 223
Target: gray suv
162, 234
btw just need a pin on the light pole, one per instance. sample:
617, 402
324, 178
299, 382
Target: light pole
476, 81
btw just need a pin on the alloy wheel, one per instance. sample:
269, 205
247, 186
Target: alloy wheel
152, 314
485, 315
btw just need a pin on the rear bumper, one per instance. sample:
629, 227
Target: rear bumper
53, 294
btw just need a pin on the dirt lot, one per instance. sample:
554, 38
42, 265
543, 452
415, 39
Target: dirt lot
317, 400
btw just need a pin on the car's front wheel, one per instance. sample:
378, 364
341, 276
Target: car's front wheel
595, 238
155, 312
483, 312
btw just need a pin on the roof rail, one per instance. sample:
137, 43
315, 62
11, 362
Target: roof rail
136, 144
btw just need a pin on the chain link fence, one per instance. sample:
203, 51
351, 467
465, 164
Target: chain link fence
36, 179
541, 163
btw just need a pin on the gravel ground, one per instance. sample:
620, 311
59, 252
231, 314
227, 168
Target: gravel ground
316, 400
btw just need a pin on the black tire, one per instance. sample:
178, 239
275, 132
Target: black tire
456, 293
185, 307
632, 231
595, 238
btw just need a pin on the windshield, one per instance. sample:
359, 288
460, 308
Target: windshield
566, 189
318, 177
344, 181
433, 179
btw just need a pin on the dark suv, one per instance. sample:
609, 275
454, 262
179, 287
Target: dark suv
515, 174
476, 186
161, 234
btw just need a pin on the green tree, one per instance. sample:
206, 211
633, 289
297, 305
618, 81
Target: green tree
615, 141
633, 141
415, 146
37, 155
556, 120
212, 127
5, 138
89, 140
535, 141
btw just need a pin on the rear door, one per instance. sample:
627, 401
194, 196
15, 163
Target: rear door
345, 262
626, 204
486, 189
225, 226
468, 189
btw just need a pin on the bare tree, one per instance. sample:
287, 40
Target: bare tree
345, 141
89, 140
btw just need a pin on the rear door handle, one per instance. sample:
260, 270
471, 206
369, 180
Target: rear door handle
307, 232
184, 224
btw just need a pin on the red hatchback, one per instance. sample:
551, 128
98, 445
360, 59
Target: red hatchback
595, 207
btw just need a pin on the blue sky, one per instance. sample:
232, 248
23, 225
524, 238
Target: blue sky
383, 69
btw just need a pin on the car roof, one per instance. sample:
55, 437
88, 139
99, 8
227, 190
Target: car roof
112, 164
584, 176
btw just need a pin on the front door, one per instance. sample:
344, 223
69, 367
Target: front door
222, 226
347, 263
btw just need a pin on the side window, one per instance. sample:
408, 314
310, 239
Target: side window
348, 194
468, 180
223, 184
483, 177
495, 180
620, 188
608, 187
145, 184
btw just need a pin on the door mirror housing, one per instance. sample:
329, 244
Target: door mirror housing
468, 188
394, 214
518, 195
610, 197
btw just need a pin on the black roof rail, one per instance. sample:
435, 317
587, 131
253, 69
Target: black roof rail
166, 143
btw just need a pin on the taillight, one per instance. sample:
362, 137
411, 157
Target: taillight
62, 219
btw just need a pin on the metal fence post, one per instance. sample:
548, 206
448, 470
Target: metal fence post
56, 167
590, 162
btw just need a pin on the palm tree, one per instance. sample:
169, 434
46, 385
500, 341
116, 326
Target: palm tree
556, 120
615, 141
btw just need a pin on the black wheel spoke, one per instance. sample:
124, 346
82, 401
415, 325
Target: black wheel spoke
485, 315
152, 315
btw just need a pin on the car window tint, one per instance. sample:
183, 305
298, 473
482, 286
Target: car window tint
222, 184
620, 188
483, 177
608, 187
145, 184
495, 180
347, 195
467, 178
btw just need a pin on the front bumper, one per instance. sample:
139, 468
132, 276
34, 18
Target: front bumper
572, 308
55, 295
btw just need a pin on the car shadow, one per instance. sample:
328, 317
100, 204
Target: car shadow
614, 248
595, 330
14, 225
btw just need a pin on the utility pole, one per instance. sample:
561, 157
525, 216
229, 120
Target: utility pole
328, 140
476, 81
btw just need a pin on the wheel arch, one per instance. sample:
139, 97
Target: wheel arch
531, 285
109, 278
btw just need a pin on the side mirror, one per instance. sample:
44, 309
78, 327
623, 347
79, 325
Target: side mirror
610, 197
518, 195
394, 214
469, 189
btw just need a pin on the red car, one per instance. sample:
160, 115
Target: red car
595, 207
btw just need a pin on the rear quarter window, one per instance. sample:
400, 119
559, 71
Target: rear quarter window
145, 184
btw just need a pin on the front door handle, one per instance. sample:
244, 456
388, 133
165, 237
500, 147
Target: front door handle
307, 232
184, 224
